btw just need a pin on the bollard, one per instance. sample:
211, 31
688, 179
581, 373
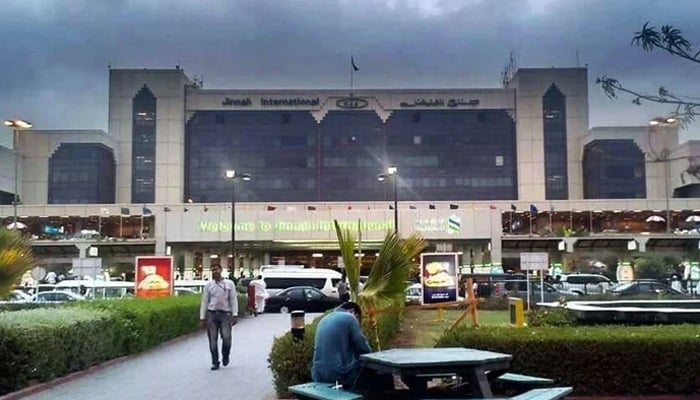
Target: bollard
298, 323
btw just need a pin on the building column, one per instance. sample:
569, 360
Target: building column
189, 263
206, 264
570, 243
641, 243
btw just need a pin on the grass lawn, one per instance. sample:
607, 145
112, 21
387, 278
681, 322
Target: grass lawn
420, 328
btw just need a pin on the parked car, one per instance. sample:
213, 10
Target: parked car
16, 296
584, 284
180, 291
56, 297
551, 293
414, 293
651, 288
304, 298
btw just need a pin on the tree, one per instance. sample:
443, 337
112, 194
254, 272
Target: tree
15, 259
386, 283
671, 40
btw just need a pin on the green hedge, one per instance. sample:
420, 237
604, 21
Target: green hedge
290, 360
41, 344
599, 360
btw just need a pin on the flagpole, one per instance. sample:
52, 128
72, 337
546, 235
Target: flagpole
352, 74
121, 226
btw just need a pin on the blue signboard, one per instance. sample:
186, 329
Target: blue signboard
439, 277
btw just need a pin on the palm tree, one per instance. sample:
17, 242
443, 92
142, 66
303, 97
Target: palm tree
15, 259
386, 283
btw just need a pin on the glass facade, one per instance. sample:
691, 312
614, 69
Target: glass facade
555, 149
613, 169
143, 148
441, 155
277, 148
82, 173
453, 155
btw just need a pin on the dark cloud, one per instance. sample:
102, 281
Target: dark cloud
54, 66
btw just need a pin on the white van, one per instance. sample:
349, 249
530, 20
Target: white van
322, 279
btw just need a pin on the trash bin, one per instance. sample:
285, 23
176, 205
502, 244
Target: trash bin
298, 323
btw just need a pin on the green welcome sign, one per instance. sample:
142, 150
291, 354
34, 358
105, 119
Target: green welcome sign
293, 226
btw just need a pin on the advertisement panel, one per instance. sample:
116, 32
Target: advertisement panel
439, 277
154, 276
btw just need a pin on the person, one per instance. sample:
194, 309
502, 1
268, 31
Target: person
219, 312
260, 294
338, 344
342, 287
251, 298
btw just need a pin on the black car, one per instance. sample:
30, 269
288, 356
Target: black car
305, 298
650, 288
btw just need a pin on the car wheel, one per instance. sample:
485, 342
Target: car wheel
284, 310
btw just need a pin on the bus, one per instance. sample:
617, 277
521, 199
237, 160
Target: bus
322, 279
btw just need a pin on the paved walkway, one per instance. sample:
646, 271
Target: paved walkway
181, 370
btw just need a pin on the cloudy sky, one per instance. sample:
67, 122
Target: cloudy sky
53, 70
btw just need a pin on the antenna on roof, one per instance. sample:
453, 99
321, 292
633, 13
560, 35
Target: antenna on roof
509, 70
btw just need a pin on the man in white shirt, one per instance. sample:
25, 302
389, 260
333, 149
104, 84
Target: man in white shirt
260, 294
218, 312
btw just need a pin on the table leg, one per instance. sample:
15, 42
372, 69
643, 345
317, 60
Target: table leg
479, 383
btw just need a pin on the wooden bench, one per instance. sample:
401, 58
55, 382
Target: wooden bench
322, 391
554, 393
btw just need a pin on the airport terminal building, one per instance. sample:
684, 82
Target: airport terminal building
489, 172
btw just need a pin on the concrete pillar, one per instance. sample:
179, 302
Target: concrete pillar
82, 249
206, 263
189, 262
570, 244
641, 243
266, 259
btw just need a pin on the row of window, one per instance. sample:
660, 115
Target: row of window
144, 146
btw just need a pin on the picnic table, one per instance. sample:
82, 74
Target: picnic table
416, 367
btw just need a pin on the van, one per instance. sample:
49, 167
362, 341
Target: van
322, 279
584, 284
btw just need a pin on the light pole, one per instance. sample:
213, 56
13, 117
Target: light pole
233, 175
662, 156
393, 172
16, 125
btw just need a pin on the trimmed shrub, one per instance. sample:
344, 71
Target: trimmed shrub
290, 360
545, 316
39, 345
42, 344
599, 360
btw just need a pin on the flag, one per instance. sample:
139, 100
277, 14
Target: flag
551, 208
146, 211
186, 209
513, 207
271, 208
166, 209
104, 212
349, 207
311, 208
352, 63
125, 211
431, 206
453, 206
493, 207
291, 208
206, 208
412, 207
533, 209
391, 206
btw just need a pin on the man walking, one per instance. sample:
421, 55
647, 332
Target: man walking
260, 294
218, 312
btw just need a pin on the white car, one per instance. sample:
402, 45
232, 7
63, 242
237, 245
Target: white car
56, 296
16, 296
584, 284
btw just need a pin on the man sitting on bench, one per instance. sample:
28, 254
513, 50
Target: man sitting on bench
338, 344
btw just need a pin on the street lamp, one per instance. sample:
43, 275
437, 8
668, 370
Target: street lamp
16, 125
393, 172
662, 156
233, 175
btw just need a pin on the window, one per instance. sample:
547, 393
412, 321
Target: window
143, 146
613, 169
555, 144
82, 173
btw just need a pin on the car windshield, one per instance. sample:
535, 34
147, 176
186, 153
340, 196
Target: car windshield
623, 287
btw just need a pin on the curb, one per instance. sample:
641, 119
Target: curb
42, 387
